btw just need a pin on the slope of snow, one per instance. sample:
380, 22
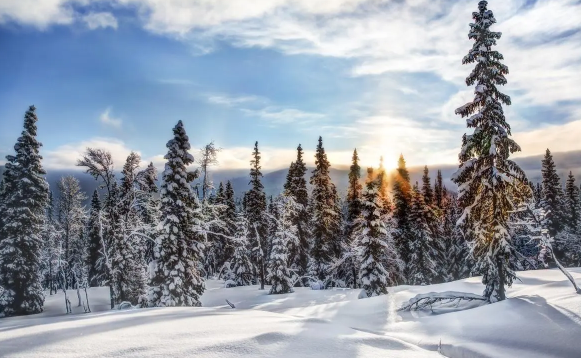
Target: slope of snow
542, 318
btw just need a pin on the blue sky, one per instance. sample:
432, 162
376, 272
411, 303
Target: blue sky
382, 76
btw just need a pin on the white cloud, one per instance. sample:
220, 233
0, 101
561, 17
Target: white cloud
106, 119
95, 20
385, 36
66, 156
40, 14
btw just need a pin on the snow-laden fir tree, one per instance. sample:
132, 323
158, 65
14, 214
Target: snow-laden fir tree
95, 243
24, 198
325, 216
256, 213
174, 276
572, 208
439, 190
127, 250
373, 237
422, 268
552, 197
402, 195
148, 208
488, 182
382, 188
432, 216
456, 262
284, 237
354, 191
347, 265
296, 185
241, 265
569, 240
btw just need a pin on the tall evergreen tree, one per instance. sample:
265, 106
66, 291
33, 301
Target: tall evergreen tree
175, 279
422, 268
439, 190
24, 199
488, 181
326, 220
552, 197
354, 193
297, 187
148, 208
382, 189
373, 239
256, 210
572, 203
95, 249
242, 267
127, 249
285, 233
402, 195
427, 192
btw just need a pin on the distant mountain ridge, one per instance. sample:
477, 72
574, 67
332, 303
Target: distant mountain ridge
273, 181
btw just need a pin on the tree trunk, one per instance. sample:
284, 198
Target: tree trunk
262, 273
501, 278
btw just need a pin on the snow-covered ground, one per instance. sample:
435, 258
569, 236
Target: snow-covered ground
542, 318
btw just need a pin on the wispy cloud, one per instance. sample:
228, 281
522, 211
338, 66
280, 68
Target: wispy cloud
176, 81
232, 101
107, 119
95, 20
282, 115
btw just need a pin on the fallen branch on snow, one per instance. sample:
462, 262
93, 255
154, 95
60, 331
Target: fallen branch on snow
427, 300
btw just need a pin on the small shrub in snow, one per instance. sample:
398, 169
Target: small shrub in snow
319, 285
230, 283
125, 305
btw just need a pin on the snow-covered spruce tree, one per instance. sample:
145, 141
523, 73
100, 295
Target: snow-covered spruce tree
432, 216
127, 250
297, 187
353, 193
422, 268
24, 198
487, 180
174, 276
256, 214
229, 218
456, 253
552, 197
284, 236
569, 240
148, 208
438, 190
241, 265
325, 216
572, 208
374, 243
382, 189
95, 242
347, 265
402, 195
